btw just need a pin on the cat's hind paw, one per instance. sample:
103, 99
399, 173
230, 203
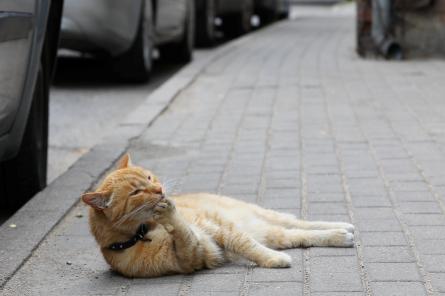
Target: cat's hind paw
278, 260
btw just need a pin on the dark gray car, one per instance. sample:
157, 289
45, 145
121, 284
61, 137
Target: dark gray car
29, 33
235, 15
271, 10
127, 32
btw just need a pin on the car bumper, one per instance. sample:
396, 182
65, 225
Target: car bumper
100, 25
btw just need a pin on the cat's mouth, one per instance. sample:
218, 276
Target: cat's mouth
161, 198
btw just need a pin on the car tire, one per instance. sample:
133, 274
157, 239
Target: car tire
182, 51
239, 23
283, 15
270, 15
205, 24
25, 174
135, 64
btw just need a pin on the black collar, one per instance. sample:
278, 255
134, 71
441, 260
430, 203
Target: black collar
140, 233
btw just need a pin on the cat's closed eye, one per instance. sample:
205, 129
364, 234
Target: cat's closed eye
136, 192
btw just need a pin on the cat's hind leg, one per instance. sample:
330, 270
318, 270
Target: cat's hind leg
277, 237
240, 243
290, 221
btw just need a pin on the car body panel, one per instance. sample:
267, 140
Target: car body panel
110, 26
15, 41
270, 5
224, 7
279, 6
170, 20
283, 6
100, 25
22, 33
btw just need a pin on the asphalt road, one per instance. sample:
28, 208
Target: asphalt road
87, 102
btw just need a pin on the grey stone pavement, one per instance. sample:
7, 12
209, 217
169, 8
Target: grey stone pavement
292, 120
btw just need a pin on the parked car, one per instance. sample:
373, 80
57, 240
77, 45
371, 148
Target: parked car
271, 10
235, 15
127, 32
29, 33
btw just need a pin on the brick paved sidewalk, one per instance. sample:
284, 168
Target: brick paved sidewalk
292, 120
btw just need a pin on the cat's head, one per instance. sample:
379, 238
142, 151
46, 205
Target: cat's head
127, 195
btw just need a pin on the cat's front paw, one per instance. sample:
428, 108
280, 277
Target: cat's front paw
163, 211
341, 238
278, 260
348, 227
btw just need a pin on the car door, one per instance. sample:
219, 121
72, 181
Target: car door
170, 18
16, 32
22, 32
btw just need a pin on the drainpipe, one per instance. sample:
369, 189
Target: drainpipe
382, 19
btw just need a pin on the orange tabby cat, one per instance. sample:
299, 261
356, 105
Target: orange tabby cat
142, 233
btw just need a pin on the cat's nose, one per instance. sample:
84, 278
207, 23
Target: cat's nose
157, 190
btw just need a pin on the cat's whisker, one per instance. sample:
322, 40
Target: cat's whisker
170, 186
170, 182
129, 215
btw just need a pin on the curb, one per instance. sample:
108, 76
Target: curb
48, 207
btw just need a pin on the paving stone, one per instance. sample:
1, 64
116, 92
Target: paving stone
280, 288
368, 201
424, 219
393, 272
420, 208
379, 225
388, 254
414, 196
325, 197
216, 282
314, 252
398, 288
334, 274
433, 263
158, 289
323, 208
428, 232
431, 246
294, 274
337, 293
374, 213
438, 281
412, 186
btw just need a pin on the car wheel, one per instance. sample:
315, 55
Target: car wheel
239, 23
182, 51
205, 24
135, 65
25, 174
284, 14
268, 16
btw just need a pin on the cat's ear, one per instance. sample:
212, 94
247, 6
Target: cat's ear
97, 200
124, 162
